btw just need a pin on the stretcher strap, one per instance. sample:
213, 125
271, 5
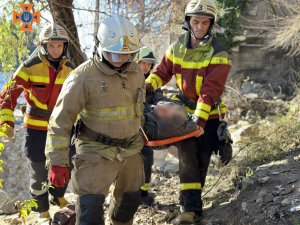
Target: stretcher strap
170, 140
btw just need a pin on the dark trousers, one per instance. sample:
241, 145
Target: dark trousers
147, 153
194, 157
35, 142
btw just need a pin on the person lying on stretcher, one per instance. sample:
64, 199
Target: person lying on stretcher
166, 118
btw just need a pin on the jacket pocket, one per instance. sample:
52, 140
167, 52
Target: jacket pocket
90, 158
39, 86
83, 173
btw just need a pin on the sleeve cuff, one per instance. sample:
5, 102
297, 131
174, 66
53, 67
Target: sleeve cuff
9, 123
202, 122
62, 163
149, 85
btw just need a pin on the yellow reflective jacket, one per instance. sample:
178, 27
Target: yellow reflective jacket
200, 73
108, 102
41, 85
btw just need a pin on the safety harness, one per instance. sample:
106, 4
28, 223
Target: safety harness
81, 128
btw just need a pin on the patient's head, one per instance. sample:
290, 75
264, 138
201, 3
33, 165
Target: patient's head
169, 111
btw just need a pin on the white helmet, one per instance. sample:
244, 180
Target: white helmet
117, 39
53, 33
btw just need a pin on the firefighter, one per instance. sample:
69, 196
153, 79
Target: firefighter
107, 92
200, 64
146, 59
40, 78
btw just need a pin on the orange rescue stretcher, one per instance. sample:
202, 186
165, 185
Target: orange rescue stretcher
148, 142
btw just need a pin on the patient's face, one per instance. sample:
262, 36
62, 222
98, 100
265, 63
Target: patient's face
169, 112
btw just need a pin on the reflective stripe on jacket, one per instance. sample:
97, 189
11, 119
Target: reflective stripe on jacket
200, 73
108, 102
41, 85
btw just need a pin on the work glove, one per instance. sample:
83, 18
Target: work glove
59, 176
149, 95
225, 151
223, 145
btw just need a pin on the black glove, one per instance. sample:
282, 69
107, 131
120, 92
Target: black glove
149, 95
223, 145
225, 151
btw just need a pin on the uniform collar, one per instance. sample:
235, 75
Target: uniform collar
205, 45
46, 61
131, 67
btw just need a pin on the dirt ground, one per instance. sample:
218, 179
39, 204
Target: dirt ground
258, 203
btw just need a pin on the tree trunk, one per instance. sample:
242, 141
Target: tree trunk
96, 24
62, 14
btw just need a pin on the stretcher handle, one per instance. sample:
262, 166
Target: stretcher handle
170, 140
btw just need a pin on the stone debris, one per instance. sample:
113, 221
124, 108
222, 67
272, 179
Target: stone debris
295, 209
171, 164
263, 180
286, 202
244, 206
274, 173
247, 182
267, 198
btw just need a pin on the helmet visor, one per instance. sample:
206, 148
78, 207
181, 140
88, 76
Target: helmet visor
114, 57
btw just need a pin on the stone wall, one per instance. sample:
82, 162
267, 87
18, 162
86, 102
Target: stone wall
15, 172
262, 67
252, 59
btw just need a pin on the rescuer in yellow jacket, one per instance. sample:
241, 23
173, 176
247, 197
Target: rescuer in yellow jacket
107, 92
200, 64
40, 79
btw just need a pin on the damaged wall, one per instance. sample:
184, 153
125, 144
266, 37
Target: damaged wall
262, 67
252, 60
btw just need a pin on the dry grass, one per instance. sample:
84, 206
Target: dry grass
284, 27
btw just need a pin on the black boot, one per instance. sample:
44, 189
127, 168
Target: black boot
91, 209
146, 199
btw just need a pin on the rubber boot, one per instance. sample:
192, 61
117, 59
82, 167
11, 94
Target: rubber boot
43, 217
189, 217
146, 199
61, 202
89, 209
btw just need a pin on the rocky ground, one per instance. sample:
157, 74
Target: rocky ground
268, 196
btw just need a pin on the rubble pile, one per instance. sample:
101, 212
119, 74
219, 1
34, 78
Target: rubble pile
254, 101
